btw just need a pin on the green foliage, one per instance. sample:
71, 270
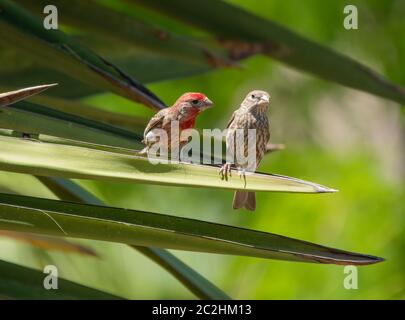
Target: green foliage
330, 134
55, 48
115, 164
197, 284
218, 18
33, 118
19, 282
57, 218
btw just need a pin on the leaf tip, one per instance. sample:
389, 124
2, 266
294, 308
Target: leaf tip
323, 189
367, 260
44, 87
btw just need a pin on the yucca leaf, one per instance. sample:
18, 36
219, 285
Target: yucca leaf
11, 97
118, 26
190, 278
53, 48
81, 109
24, 184
201, 287
147, 68
59, 218
114, 164
32, 118
48, 243
244, 33
68, 87
18, 282
72, 106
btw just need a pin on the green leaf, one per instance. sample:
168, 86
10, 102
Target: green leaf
81, 109
49, 243
201, 287
15, 183
244, 33
11, 97
114, 164
131, 31
18, 282
70, 191
191, 279
75, 107
53, 48
32, 118
59, 218
147, 68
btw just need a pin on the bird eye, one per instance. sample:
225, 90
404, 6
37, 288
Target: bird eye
194, 102
253, 96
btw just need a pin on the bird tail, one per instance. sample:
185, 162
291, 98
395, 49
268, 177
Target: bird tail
244, 199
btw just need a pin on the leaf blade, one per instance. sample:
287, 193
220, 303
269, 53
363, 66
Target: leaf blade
18, 282
69, 191
55, 49
33, 118
191, 279
11, 97
253, 34
58, 218
49, 243
81, 109
147, 68
50, 159
132, 31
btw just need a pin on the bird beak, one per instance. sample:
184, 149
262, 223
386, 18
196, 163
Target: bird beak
265, 99
207, 103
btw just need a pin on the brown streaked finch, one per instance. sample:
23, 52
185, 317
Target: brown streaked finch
252, 114
185, 111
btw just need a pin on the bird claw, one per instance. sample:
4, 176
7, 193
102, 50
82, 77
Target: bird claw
242, 173
225, 170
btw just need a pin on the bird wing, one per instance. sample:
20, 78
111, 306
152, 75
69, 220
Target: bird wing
156, 121
231, 120
230, 138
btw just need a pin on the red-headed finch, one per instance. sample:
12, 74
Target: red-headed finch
248, 123
185, 111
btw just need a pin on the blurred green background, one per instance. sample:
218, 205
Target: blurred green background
342, 138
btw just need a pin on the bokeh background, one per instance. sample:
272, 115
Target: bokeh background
342, 138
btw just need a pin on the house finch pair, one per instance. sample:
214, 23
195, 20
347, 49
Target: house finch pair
250, 117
